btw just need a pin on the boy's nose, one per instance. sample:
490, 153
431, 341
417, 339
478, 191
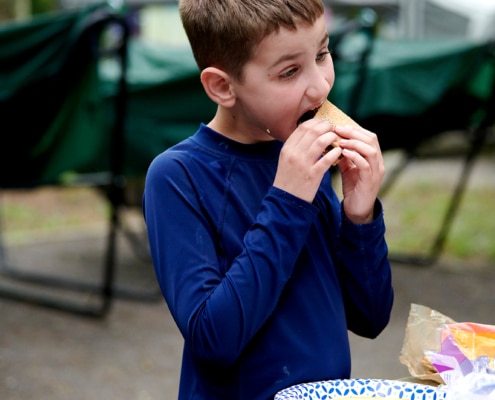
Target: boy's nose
318, 87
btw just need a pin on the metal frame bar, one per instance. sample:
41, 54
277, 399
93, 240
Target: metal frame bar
114, 191
478, 136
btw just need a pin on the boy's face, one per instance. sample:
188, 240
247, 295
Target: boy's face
290, 73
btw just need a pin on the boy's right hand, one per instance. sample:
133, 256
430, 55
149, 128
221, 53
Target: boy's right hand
301, 165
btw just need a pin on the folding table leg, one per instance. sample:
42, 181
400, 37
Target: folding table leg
104, 290
430, 257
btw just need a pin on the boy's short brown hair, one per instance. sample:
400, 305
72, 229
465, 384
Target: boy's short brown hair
224, 33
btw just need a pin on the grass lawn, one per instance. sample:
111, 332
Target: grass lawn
414, 220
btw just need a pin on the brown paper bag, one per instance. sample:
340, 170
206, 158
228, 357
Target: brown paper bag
422, 335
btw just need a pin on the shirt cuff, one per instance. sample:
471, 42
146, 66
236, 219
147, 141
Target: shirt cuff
377, 226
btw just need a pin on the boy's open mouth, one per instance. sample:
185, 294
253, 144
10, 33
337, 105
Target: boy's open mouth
307, 116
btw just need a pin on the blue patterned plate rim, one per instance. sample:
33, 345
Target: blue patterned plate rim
342, 388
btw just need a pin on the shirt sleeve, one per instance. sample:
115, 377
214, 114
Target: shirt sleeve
218, 312
366, 275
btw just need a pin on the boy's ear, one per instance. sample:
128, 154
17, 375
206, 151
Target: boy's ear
217, 86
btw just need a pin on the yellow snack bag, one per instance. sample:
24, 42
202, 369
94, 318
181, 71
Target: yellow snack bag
472, 339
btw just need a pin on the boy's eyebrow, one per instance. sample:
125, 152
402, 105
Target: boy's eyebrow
288, 57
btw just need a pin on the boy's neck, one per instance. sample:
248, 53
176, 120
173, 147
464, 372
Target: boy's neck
225, 123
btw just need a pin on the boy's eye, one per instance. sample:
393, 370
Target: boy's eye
322, 55
289, 73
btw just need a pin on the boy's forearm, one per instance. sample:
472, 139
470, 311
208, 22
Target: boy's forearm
366, 276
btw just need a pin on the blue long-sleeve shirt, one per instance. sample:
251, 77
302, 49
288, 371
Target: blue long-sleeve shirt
263, 286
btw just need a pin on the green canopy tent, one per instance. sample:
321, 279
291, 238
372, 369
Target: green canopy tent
81, 104
55, 120
49, 98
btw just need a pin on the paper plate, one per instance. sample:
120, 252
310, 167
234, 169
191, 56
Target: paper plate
364, 388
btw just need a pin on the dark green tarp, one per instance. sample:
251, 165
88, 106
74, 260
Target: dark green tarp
414, 89
52, 118
166, 101
56, 100
56, 96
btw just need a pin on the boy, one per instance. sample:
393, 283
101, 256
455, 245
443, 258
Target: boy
262, 267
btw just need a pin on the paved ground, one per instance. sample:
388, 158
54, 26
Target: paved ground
134, 352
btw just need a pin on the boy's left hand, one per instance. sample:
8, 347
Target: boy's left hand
362, 170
